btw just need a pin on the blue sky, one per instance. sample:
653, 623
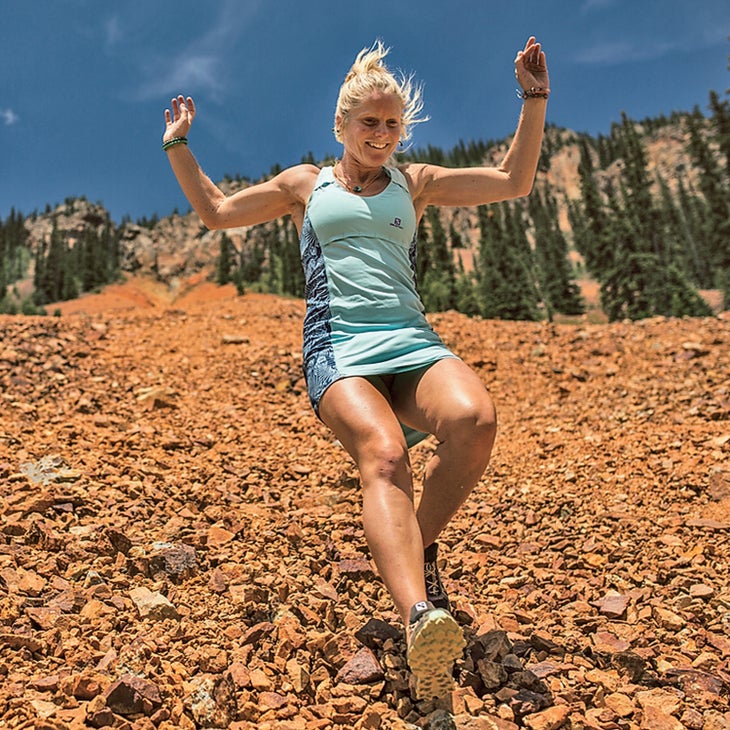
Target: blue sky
83, 83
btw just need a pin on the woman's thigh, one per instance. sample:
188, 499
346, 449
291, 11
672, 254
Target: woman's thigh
360, 414
437, 397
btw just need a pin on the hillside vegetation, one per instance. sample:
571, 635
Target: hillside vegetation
643, 212
181, 542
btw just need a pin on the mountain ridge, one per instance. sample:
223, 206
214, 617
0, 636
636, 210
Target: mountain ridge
178, 248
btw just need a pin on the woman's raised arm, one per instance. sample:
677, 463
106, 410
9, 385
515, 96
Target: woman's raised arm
286, 193
435, 185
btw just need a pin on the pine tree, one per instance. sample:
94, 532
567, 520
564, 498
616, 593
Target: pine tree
438, 281
721, 122
251, 261
14, 254
110, 239
506, 289
589, 219
638, 204
274, 276
225, 260
87, 260
39, 271
455, 237
635, 263
717, 199
423, 252
557, 284
292, 272
692, 213
69, 287
642, 286
467, 297
51, 282
4, 277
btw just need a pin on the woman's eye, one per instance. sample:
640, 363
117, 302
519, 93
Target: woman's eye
390, 123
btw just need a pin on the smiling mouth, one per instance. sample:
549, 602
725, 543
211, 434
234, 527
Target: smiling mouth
377, 146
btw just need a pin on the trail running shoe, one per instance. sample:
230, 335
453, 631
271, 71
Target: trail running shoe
435, 592
435, 641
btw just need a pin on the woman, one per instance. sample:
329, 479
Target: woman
376, 373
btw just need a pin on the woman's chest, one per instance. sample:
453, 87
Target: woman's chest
336, 214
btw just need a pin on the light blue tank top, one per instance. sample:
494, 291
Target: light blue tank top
364, 314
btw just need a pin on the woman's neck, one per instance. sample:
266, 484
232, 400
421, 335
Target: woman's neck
355, 177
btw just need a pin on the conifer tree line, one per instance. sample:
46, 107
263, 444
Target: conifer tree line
62, 268
63, 272
14, 253
651, 251
651, 242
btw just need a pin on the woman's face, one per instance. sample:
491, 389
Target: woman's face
372, 129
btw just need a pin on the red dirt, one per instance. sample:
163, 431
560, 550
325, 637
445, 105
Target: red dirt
166, 444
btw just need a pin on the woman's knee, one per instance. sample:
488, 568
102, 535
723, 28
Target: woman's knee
383, 457
473, 424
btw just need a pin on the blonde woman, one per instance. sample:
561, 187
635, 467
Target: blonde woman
376, 372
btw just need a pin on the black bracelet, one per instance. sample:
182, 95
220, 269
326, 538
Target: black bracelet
534, 92
172, 142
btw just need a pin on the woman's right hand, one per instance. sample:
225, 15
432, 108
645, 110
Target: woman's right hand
179, 121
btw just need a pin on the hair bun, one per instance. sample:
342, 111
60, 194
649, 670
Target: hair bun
369, 60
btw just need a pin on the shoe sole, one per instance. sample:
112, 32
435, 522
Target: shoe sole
431, 657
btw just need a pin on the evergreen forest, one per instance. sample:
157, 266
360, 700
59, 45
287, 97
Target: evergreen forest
651, 242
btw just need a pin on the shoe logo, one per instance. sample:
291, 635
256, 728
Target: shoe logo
421, 606
397, 223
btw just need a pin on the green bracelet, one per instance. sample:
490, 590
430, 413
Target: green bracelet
172, 142
534, 92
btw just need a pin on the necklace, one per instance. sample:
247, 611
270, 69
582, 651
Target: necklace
355, 188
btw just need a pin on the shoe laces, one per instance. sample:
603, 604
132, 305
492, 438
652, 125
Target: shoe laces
434, 587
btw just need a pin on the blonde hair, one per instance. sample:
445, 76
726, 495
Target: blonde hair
369, 74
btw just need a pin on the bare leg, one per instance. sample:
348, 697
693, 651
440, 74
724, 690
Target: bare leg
450, 401
361, 416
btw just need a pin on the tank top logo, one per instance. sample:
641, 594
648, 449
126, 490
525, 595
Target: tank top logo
397, 223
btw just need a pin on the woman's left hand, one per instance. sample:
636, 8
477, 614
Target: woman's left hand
178, 122
531, 66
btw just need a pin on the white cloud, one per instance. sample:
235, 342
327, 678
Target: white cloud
186, 74
615, 52
590, 5
112, 32
9, 117
685, 32
203, 63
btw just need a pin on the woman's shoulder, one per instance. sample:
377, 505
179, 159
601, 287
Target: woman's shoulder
298, 179
416, 175
305, 171
413, 169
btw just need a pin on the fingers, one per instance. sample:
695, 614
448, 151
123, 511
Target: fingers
181, 107
532, 56
180, 115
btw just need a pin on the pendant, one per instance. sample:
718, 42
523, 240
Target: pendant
357, 189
